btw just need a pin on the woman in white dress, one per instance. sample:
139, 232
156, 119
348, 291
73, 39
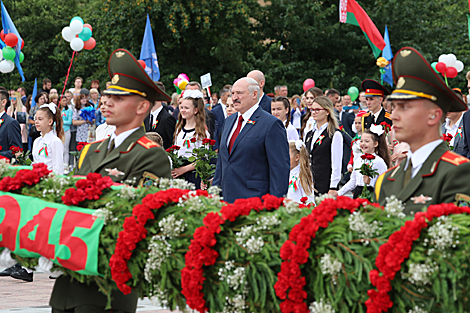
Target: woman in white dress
280, 108
49, 147
300, 178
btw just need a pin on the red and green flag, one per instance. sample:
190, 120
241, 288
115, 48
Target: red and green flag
351, 12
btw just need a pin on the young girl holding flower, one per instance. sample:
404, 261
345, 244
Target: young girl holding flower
190, 132
375, 154
300, 178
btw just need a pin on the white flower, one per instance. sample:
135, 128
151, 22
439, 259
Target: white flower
159, 250
248, 241
170, 227
165, 183
3, 166
321, 307
127, 192
358, 223
292, 207
193, 203
159, 297
214, 190
254, 245
420, 274
236, 279
377, 129
106, 213
417, 309
394, 207
442, 234
265, 221
329, 265
236, 304
320, 198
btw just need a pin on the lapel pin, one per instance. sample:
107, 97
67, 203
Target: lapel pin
114, 172
421, 199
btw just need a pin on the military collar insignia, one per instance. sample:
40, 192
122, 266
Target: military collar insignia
120, 54
115, 79
401, 82
114, 172
420, 199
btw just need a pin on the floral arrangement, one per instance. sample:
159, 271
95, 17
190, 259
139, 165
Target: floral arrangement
176, 160
21, 157
202, 158
88, 113
367, 170
447, 138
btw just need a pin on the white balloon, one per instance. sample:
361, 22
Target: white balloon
12, 66
76, 27
5, 67
77, 44
67, 34
459, 66
442, 58
1, 54
450, 60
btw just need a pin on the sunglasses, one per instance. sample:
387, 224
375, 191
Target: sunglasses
12, 98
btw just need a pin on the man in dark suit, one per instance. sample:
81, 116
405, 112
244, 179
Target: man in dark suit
375, 94
345, 119
253, 154
161, 121
466, 130
220, 112
10, 131
265, 101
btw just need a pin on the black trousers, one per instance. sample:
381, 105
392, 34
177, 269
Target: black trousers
87, 308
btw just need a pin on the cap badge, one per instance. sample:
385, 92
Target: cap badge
115, 79
120, 54
401, 82
405, 53
367, 90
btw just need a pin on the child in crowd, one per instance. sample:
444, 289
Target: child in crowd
372, 142
280, 108
82, 125
301, 181
189, 133
356, 141
49, 147
67, 122
155, 137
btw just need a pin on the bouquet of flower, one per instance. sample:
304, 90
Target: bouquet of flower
21, 157
88, 113
176, 160
202, 160
447, 138
367, 170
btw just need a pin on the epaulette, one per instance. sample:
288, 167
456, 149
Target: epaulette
367, 114
388, 115
454, 158
97, 141
147, 143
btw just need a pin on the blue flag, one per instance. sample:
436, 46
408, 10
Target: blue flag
35, 93
9, 27
388, 55
148, 53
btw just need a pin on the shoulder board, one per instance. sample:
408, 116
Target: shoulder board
147, 143
97, 141
387, 115
454, 158
367, 114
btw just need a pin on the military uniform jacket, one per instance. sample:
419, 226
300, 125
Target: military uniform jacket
443, 178
368, 119
137, 157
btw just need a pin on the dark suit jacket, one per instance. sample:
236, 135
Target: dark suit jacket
10, 135
220, 118
265, 103
466, 130
459, 141
367, 120
210, 120
259, 163
165, 126
346, 121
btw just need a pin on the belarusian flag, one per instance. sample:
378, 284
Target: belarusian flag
351, 12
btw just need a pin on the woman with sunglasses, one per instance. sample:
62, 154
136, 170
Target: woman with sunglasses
18, 111
325, 145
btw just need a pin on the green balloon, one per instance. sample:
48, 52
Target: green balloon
9, 53
433, 65
21, 57
353, 92
85, 34
77, 18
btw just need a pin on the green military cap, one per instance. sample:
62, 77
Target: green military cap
128, 77
416, 79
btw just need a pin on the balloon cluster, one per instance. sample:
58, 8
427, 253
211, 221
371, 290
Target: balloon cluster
79, 35
181, 82
448, 65
308, 83
8, 53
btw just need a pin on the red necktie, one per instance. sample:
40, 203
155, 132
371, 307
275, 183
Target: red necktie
235, 134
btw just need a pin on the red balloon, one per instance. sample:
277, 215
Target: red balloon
88, 26
142, 63
2, 35
308, 83
90, 44
441, 67
22, 44
11, 40
451, 72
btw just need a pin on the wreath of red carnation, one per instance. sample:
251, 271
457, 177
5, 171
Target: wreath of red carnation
398, 248
134, 231
24, 177
90, 188
290, 284
200, 251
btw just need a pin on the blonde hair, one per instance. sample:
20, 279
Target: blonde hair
200, 120
19, 102
94, 90
155, 137
327, 104
305, 174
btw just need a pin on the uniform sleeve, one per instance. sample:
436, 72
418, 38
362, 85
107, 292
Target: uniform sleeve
154, 161
57, 151
277, 152
455, 181
336, 159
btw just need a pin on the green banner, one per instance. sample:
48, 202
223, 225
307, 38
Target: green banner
67, 235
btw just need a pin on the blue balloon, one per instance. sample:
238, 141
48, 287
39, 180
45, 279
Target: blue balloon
85, 34
77, 18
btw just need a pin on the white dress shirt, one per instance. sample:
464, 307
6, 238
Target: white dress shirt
376, 115
1, 114
55, 152
292, 133
297, 118
452, 130
296, 192
183, 140
419, 156
104, 131
119, 139
246, 117
311, 123
336, 153
155, 114
357, 179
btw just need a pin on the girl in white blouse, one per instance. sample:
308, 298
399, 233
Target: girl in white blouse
189, 133
280, 108
372, 142
300, 178
49, 147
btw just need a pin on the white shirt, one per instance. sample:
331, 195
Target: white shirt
297, 118
357, 179
54, 147
104, 131
419, 156
183, 140
246, 117
157, 111
452, 130
336, 153
376, 115
119, 139
356, 151
292, 133
295, 191
311, 123
1, 114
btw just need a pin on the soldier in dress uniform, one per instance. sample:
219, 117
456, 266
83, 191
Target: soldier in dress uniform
375, 94
431, 174
126, 155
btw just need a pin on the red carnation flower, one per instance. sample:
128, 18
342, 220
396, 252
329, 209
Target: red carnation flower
193, 140
206, 140
304, 200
